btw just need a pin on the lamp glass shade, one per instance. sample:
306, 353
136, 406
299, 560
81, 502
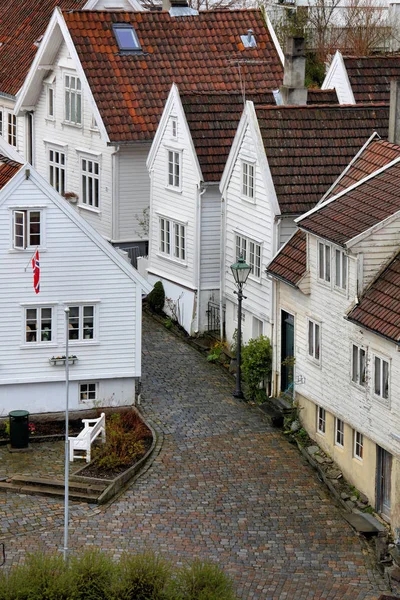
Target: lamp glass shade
241, 271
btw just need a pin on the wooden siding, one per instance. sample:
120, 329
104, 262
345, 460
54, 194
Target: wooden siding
210, 243
337, 79
7, 107
287, 227
73, 270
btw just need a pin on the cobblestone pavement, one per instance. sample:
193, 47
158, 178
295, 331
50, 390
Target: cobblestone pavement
225, 486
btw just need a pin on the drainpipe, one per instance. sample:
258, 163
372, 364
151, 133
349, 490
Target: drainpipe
200, 191
222, 268
115, 193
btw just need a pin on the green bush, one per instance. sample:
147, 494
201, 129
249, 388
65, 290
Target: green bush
123, 443
204, 581
42, 577
143, 577
92, 576
156, 298
256, 364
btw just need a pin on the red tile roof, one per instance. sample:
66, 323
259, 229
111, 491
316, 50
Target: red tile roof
357, 210
377, 154
307, 147
198, 53
213, 119
290, 263
370, 76
22, 23
379, 306
8, 168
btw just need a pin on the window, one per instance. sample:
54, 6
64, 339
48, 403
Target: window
339, 433
12, 129
90, 183
38, 325
175, 247
126, 37
1, 122
358, 365
88, 391
358, 445
340, 269
314, 340
174, 127
257, 328
57, 170
26, 229
50, 102
381, 377
73, 100
321, 420
174, 169
93, 124
324, 262
81, 323
251, 252
248, 180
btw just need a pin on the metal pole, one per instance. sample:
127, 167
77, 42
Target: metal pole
238, 392
66, 468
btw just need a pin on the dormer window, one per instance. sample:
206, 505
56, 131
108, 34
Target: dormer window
126, 37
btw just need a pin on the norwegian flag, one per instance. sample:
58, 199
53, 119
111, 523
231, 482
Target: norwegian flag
36, 272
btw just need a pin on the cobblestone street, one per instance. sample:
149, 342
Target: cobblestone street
225, 487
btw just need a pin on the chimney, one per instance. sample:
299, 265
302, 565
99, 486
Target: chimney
293, 90
394, 112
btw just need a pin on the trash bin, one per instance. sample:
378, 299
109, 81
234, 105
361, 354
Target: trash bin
19, 428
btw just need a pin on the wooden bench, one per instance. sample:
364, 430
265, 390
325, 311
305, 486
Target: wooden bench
83, 442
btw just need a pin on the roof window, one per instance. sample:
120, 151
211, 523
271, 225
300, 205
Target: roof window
249, 41
126, 37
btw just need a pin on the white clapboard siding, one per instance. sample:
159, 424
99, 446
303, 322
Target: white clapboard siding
210, 244
133, 192
329, 383
337, 78
73, 269
287, 227
6, 108
56, 134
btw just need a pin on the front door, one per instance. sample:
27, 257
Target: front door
287, 351
383, 488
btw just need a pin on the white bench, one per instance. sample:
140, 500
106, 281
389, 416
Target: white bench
83, 442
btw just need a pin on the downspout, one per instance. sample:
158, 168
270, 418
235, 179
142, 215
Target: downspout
222, 269
115, 193
274, 304
200, 193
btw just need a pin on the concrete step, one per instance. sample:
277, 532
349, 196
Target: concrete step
85, 487
82, 492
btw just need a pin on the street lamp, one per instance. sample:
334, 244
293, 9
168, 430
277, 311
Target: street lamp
240, 271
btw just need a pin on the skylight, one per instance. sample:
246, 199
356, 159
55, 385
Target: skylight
126, 37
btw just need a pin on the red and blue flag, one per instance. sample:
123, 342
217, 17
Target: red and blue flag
36, 272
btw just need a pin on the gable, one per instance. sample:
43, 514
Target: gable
338, 79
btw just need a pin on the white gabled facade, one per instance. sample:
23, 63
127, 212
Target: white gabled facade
81, 150
336, 78
324, 384
80, 270
252, 226
184, 223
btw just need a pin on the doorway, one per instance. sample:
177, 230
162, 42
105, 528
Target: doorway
287, 351
383, 487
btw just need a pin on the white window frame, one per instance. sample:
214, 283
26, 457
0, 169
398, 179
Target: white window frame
174, 177
40, 329
90, 183
93, 124
356, 363
321, 420
73, 98
57, 169
358, 445
84, 389
50, 103
1, 122
248, 185
324, 262
172, 239
341, 269
82, 339
251, 251
339, 432
12, 129
174, 128
382, 360
25, 216
314, 336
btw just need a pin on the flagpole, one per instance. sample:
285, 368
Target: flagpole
66, 469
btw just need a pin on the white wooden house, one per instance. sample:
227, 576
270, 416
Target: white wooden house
97, 88
79, 270
337, 313
282, 161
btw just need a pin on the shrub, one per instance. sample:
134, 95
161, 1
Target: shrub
92, 576
156, 298
143, 577
42, 577
256, 364
123, 444
204, 581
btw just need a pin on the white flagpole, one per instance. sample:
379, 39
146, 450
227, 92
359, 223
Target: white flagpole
66, 474
30, 260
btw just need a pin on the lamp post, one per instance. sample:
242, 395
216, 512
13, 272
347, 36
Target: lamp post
240, 271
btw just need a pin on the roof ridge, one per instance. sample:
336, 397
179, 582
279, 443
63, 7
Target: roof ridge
354, 107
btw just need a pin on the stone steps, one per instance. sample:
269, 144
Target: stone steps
80, 491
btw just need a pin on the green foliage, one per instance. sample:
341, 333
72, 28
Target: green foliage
216, 352
156, 298
43, 577
124, 441
256, 364
168, 323
302, 436
92, 576
204, 581
315, 71
7, 427
143, 577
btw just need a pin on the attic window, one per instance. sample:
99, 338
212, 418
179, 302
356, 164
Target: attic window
126, 37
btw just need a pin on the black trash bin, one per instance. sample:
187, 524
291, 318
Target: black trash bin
19, 428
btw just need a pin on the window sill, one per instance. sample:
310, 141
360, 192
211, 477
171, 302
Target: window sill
248, 199
172, 188
70, 124
96, 211
255, 279
324, 283
50, 120
31, 250
314, 361
171, 259
382, 401
75, 343
358, 386
39, 345
321, 433
340, 290
359, 460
